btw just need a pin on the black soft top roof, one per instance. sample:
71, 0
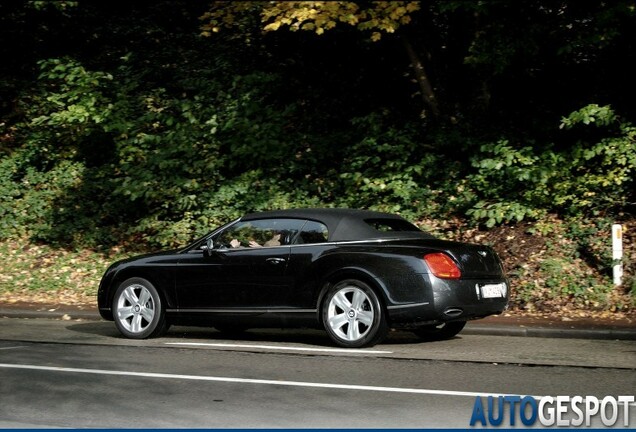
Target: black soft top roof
345, 224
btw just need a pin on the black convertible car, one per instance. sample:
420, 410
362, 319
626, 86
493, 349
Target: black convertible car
355, 273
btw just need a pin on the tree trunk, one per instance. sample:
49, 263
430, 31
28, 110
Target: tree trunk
426, 90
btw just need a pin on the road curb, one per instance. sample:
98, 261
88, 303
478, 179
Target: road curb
64, 314
473, 327
543, 332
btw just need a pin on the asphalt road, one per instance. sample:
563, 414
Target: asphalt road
82, 374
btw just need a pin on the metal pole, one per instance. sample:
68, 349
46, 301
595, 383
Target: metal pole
617, 253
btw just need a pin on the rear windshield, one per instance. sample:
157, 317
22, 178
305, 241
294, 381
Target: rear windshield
391, 225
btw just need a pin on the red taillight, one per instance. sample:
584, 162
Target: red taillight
442, 266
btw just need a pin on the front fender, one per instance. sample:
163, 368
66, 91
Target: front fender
159, 271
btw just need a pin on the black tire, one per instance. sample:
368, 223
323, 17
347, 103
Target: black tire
441, 331
138, 310
353, 316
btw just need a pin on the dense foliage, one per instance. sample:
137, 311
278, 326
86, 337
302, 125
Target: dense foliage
151, 122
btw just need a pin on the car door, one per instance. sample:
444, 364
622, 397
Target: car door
308, 247
245, 270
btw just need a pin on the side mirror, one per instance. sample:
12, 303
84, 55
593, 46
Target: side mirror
208, 247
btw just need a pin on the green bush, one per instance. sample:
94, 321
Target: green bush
101, 156
386, 169
512, 183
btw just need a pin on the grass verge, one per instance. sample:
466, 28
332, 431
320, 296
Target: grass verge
35, 273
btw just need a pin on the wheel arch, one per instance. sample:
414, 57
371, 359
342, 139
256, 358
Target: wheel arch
357, 273
139, 272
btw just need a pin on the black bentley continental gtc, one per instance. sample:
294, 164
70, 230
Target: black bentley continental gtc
354, 273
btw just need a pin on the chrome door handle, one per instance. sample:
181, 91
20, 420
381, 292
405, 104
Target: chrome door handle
275, 261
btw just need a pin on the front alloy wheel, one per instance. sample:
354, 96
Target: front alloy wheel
352, 315
138, 310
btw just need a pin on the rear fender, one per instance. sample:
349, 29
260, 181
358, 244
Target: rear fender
361, 274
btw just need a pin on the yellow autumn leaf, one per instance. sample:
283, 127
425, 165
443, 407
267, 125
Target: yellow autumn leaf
308, 26
272, 26
412, 6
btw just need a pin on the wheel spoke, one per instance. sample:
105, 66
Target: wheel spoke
144, 297
341, 301
129, 294
124, 312
365, 317
136, 324
358, 299
147, 313
337, 322
353, 333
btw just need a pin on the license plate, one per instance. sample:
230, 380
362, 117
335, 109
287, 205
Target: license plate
494, 290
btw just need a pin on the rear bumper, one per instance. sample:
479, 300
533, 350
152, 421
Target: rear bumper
452, 300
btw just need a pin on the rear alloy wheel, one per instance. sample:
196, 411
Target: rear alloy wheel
138, 310
353, 316
441, 331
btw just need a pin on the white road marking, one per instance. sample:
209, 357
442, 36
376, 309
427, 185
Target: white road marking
331, 386
281, 348
12, 347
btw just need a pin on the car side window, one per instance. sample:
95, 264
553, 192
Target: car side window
313, 232
259, 233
